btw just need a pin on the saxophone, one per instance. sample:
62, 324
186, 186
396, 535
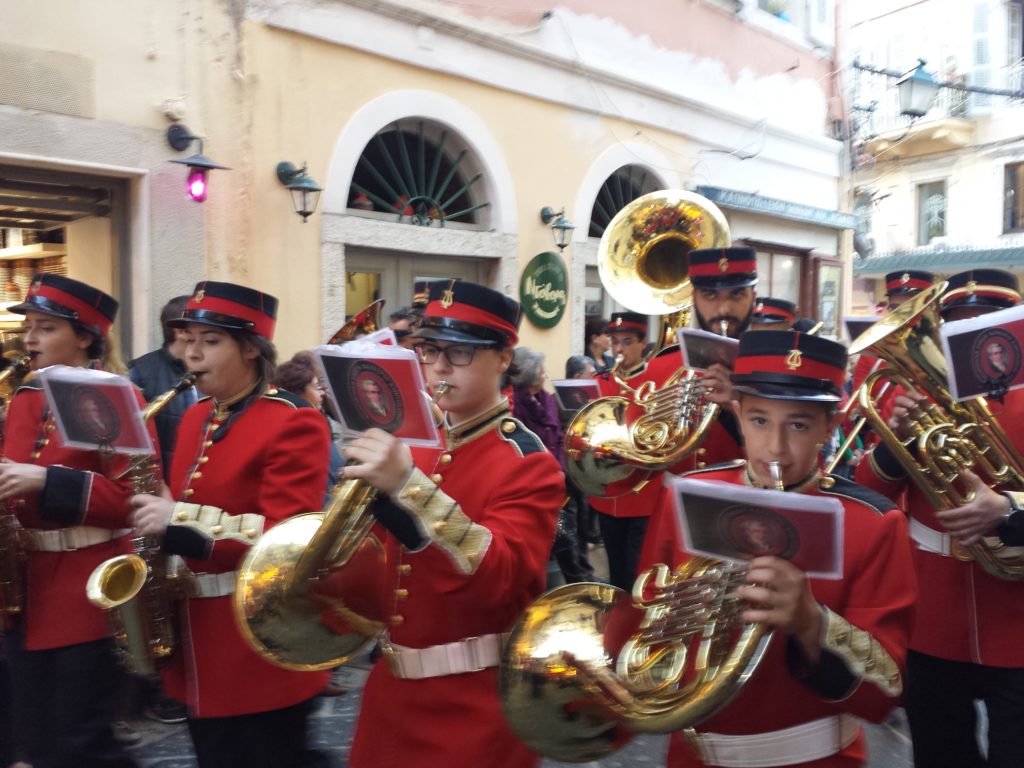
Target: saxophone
140, 590
13, 547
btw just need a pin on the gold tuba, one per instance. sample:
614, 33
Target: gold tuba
308, 590
613, 444
141, 590
950, 436
586, 667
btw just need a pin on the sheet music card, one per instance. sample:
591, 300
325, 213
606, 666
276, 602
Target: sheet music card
96, 410
573, 394
374, 384
702, 349
983, 354
737, 523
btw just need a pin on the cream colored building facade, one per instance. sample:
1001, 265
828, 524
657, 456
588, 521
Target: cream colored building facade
724, 97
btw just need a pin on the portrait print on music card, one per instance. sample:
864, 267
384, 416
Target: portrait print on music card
983, 354
95, 410
702, 349
737, 523
373, 385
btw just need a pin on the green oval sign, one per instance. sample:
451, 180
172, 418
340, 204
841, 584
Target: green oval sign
544, 289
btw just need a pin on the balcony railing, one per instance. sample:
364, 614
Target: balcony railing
876, 107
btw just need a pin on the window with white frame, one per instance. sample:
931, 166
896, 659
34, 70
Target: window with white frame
931, 211
1013, 198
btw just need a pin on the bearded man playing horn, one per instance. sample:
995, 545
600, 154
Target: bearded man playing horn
838, 649
966, 644
723, 282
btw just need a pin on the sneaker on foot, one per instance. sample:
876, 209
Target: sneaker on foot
165, 710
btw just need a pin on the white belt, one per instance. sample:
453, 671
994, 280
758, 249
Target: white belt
931, 540
70, 539
798, 744
471, 654
215, 584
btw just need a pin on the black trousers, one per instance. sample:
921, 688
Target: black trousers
272, 739
64, 704
623, 540
8, 753
939, 700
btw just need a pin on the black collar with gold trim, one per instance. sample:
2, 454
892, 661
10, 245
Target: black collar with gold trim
460, 434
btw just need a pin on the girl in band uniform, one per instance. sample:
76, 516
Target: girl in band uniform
74, 508
248, 456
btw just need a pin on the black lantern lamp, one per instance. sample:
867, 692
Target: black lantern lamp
561, 227
917, 90
305, 192
199, 165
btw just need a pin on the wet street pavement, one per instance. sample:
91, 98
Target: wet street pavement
168, 746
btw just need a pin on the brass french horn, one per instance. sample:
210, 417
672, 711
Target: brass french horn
587, 666
307, 591
614, 444
949, 436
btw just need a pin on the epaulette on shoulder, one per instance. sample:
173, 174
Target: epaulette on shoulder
32, 382
840, 486
734, 464
284, 396
512, 430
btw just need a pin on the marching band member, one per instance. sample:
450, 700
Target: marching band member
966, 644
248, 456
74, 507
839, 645
772, 314
470, 530
723, 299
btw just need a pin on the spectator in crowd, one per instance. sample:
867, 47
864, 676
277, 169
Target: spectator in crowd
401, 321
587, 530
597, 343
537, 409
157, 371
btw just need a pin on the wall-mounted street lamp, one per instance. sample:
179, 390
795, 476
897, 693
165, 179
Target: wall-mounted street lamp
199, 165
561, 227
305, 192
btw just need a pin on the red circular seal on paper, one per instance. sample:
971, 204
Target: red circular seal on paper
376, 397
995, 356
757, 532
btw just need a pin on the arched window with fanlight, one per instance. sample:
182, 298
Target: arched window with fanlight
624, 186
419, 172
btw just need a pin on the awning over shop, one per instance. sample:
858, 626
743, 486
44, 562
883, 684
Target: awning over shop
945, 259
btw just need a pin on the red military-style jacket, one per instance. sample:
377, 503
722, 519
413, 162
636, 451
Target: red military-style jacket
80, 490
722, 443
963, 613
505, 481
874, 601
236, 474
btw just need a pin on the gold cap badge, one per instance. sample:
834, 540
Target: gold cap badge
795, 359
200, 295
723, 264
971, 286
905, 278
449, 295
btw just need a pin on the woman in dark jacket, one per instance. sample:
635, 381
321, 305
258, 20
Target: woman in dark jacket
538, 410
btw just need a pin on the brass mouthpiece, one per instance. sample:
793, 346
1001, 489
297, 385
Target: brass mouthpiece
776, 470
723, 327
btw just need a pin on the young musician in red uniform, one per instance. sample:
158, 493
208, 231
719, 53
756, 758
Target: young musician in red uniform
248, 456
470, 530
838, 647
723, 299
966, 645
75, 510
